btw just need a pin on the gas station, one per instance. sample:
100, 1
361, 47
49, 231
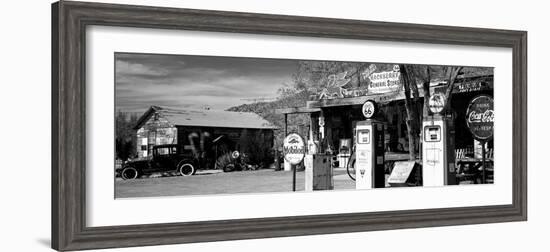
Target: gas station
366, 134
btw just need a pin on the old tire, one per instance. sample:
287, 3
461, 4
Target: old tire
350, 167
186, 169
229, 168
129, 173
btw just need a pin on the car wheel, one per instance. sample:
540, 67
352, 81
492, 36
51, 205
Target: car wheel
186, 170
229, 168
129, 173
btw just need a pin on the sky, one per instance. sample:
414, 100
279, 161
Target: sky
187, 81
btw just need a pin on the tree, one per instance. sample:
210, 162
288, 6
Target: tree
412, 121
252, 145
313, 78
125, 138
413, 74
451, 73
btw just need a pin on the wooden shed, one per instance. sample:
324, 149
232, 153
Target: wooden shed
203, 131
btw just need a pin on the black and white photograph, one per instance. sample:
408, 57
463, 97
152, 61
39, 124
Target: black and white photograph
202, 125
272, 126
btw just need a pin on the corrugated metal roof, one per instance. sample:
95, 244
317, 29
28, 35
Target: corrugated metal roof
211, 118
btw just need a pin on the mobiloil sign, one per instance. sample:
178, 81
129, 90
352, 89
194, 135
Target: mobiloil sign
294, 148
294, 151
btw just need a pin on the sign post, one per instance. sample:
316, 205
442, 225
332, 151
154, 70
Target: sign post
483, 163
480, 118
294, 151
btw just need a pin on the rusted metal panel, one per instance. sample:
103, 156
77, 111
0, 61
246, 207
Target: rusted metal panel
155, 131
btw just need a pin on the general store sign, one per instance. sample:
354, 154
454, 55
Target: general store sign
377, 83
385, 82
480, 117
294, 148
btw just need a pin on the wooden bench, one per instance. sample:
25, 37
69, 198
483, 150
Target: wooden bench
470, 168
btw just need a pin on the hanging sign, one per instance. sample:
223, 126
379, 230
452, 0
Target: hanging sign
385, 82
294, 148
335, 87
480, 117
466, 87
369, 109
436, 103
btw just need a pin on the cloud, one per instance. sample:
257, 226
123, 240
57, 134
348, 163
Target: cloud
143, 80
125, 68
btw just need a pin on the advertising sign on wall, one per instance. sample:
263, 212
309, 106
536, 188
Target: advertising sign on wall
385, 82
480, 117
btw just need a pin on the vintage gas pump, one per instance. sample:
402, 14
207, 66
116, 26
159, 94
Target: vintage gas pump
369, 150
438, 147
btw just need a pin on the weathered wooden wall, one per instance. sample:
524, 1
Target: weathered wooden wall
156, 131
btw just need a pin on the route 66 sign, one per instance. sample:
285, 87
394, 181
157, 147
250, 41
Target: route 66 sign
369, 109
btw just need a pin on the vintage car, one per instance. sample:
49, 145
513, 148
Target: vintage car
165, 158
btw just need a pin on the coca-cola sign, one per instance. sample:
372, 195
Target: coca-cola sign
480, 117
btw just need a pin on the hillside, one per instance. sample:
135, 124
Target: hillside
267, 111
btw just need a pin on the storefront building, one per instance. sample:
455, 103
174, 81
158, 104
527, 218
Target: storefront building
334, 115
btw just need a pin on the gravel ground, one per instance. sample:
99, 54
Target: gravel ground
258, 181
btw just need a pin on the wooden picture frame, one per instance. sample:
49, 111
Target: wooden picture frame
69, 20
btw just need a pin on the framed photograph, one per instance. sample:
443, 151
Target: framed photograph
177, 125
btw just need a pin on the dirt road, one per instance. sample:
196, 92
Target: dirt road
221, 183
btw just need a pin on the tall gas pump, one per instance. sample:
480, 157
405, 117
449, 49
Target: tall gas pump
438, 146
369, 150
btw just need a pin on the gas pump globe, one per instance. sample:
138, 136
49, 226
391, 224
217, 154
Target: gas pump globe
438, 152
369, 150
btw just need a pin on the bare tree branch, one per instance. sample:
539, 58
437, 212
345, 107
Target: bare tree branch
452, 73
426, 87
410, 107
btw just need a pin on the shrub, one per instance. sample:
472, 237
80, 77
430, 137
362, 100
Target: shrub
254, 148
